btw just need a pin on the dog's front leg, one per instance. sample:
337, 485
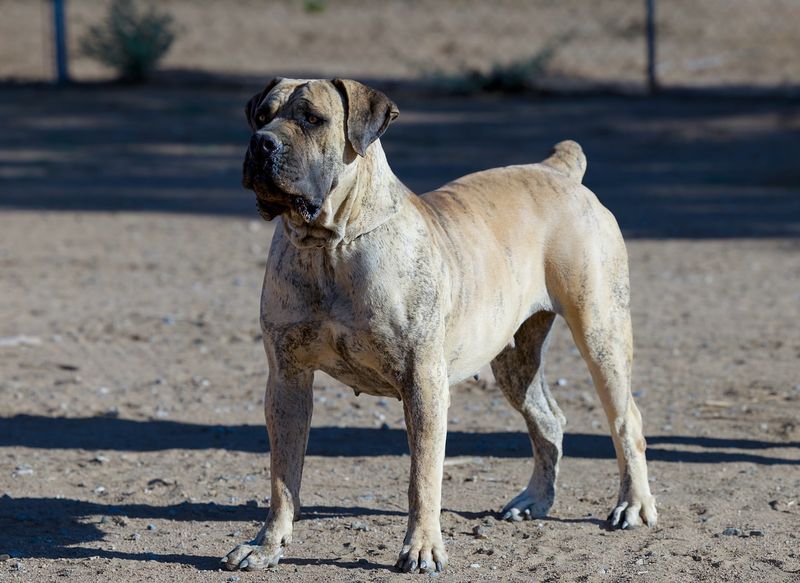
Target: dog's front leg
287, 408
425, 404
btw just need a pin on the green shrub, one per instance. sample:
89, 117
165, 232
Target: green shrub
513, 77
130, 40
314, 6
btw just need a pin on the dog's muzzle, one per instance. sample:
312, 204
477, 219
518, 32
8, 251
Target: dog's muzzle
259, 175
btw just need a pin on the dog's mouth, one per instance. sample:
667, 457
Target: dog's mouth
273, 200
309, 210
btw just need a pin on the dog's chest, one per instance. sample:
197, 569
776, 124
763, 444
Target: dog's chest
355, 358
342, 313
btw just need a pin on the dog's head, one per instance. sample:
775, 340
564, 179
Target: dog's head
305, 135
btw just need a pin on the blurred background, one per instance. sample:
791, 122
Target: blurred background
131, 363
687, 110
709, 44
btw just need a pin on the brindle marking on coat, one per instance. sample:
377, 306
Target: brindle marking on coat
402, 295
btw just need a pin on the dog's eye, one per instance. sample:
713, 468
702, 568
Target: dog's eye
312, 119
262, 117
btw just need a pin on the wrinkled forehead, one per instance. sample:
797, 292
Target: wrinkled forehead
319, 92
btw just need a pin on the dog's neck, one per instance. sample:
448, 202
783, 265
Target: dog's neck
368, 195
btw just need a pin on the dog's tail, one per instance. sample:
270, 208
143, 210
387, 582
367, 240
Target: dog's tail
568, 158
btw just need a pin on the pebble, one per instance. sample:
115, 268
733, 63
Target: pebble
475, 566
151, 527
5, 557
136, 536
562, 382
23, 470
479, 531
756, 533
358, 525
100, 490
21, 340
731, 531
233, 578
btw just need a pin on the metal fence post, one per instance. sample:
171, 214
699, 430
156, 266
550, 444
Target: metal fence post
652, 80
60, 42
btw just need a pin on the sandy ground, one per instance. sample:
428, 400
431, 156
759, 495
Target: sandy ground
131, 426
712, 43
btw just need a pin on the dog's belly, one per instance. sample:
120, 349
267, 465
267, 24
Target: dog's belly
361, 381
473, 342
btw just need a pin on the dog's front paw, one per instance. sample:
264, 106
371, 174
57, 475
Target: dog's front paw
633, 511
424, 554
252, 557
527, 505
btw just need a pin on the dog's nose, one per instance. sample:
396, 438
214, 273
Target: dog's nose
262, 143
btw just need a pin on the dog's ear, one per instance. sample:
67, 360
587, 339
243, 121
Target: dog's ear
368, 112
255, 101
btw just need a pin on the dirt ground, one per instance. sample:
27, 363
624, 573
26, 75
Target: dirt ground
132, 372
709, 43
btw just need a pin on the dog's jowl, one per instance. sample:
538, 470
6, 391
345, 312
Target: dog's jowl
402, 295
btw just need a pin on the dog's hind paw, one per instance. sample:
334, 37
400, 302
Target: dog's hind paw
525, 506
627, 514
249, 557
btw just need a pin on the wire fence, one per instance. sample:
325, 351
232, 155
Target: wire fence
461, 44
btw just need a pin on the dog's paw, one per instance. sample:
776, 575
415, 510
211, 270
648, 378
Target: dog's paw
424, 554
525, 506
250, 557
635, 512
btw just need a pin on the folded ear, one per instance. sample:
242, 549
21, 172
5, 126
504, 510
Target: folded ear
368, 112
256, 100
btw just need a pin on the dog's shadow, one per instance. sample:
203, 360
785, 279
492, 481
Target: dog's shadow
113, 434
50, 528
56, 528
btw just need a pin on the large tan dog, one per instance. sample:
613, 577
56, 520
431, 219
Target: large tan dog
402, 295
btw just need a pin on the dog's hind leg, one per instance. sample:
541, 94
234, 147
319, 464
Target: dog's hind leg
600, 321
518, 370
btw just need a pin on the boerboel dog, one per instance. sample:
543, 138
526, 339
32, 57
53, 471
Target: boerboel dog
401, 295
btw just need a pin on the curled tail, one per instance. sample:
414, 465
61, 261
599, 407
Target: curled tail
568, 158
